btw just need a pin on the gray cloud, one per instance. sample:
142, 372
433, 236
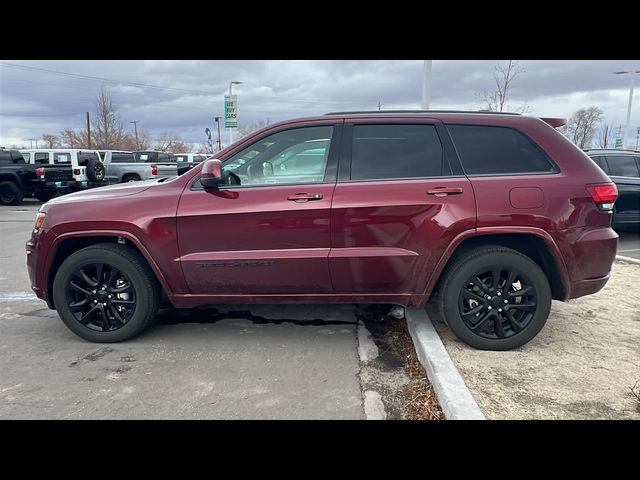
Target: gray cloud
36, 102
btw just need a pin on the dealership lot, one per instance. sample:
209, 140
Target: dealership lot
290, 362
296, 361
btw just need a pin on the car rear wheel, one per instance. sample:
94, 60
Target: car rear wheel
495, 298
106, 293
130, 178
10, 194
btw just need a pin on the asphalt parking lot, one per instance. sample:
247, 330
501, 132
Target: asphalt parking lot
231, 363
629, 245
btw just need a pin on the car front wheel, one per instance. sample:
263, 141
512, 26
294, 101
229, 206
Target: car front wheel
495, 298
106, 293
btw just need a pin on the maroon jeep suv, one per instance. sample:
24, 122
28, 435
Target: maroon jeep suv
497, 213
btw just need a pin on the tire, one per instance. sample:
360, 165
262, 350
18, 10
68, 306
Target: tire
10, 193
44, 196
130, 178
95, 170
475, 309
139, 300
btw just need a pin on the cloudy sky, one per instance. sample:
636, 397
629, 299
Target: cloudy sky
183, 96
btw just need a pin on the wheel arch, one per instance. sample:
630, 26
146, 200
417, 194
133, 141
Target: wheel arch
67, 244
11, 177
533, 242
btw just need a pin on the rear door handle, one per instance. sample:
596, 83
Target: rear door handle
304, 197
444, 191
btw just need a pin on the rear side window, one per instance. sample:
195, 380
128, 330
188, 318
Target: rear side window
488, 150
395, 151
41, 158
122, 158
62, 157
602, 163
622, 166
5, 157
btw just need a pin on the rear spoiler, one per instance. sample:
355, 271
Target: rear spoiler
555, 122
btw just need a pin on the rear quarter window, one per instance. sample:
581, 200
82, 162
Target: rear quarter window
622, 165
493, 150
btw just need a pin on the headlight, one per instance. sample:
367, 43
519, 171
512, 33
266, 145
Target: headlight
39, 220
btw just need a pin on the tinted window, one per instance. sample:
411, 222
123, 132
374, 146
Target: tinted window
41, 158
602, 163
5, 157
291, 156
488, 150
122, 157
395, 151
623, 166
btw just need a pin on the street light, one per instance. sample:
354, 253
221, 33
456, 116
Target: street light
231, 84
633, 76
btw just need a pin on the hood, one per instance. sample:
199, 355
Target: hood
99, 193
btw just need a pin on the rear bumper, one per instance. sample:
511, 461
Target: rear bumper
589, 254
587, 287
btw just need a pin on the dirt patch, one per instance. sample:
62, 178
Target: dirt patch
397, 373
582, 365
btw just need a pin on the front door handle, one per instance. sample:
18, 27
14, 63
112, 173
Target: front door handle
304, 197
444, 191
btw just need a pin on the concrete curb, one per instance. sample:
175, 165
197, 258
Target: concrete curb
628, 259
453, 395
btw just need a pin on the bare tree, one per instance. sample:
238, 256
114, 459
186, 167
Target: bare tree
252, 127
52, 140
504, 74
170, 142
143, 142
72, 138
582, 124
108, 129
605, 134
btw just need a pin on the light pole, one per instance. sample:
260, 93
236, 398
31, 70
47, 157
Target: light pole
231, 84
633, 77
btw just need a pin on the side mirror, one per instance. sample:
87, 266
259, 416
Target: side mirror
211, 174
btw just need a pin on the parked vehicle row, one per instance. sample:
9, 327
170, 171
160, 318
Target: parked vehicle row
496, 213
62, 171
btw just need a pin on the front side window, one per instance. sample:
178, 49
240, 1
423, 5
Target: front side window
622, 166
491, 150
292, 156
395, 151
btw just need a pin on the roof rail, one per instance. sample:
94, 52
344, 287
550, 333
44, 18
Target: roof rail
610, 150
421, 111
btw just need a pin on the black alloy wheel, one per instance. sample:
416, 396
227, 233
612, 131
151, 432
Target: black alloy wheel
106, 293
494, 298
101, 297
497, 303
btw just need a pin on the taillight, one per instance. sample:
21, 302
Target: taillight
76, 171
154, 169
604, 195
40, 171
